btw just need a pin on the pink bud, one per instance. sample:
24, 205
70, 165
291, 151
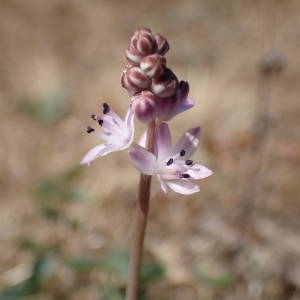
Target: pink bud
162, 44
144, 106
134, 80
132, 55
153, 65
143, 41
166, 85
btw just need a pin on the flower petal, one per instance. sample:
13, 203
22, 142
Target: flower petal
115, 117
184, 105
98, 151
163, 142
163, 185
129, 120
198, 171
143, 140
185, 187
110, 126
189, 142
143, 160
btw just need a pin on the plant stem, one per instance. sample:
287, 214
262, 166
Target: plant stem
140, 223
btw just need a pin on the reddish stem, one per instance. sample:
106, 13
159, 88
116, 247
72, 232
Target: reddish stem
140, 223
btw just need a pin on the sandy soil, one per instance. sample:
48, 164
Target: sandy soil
242, 61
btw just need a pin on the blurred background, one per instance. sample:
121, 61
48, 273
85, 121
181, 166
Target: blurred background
65, 229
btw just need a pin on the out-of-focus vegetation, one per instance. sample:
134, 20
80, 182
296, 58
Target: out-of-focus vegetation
63, 226
49, 109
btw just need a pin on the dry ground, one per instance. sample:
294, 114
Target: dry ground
243, 64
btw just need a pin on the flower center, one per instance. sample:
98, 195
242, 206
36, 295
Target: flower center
175, 167
115, 129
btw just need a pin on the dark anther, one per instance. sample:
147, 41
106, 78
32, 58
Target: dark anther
188, 162
100, 121
170, 161
105, 108
185, 176
89, 129
93, 117
182, 152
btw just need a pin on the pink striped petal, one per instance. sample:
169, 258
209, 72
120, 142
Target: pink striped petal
143, 160
143, 140
163, 185
98, 151
163, 141
184, 105
129, 120
189, 142
185, 187
198, 171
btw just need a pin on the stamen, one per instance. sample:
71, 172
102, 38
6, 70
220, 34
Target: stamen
94, 117
100, 121
89, 129
182, 152
185, 176
106, 108
188, 162
170, 161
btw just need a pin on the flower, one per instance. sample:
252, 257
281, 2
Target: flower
172, 166
117, 134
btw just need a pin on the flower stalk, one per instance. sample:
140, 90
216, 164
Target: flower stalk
140, 223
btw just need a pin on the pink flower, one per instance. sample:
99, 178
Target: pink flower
117, 134
172, 166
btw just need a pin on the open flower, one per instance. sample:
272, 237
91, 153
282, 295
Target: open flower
117, 134
172, 166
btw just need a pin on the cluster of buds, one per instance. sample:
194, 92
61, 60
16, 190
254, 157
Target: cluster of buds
154, 88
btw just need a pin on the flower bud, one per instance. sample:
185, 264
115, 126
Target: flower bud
144, 106
134, 80
162, 44
166, 85
144, 42
153, 65
132, 55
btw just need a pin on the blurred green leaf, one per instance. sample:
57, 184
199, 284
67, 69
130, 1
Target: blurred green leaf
49, 189
83, 264
54, 190
37, 248
50, 213
29, 244
112, 293
222, 281
49, 109
54, 193
116, 261
72, 174
150, 272
17, 292
44, 267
